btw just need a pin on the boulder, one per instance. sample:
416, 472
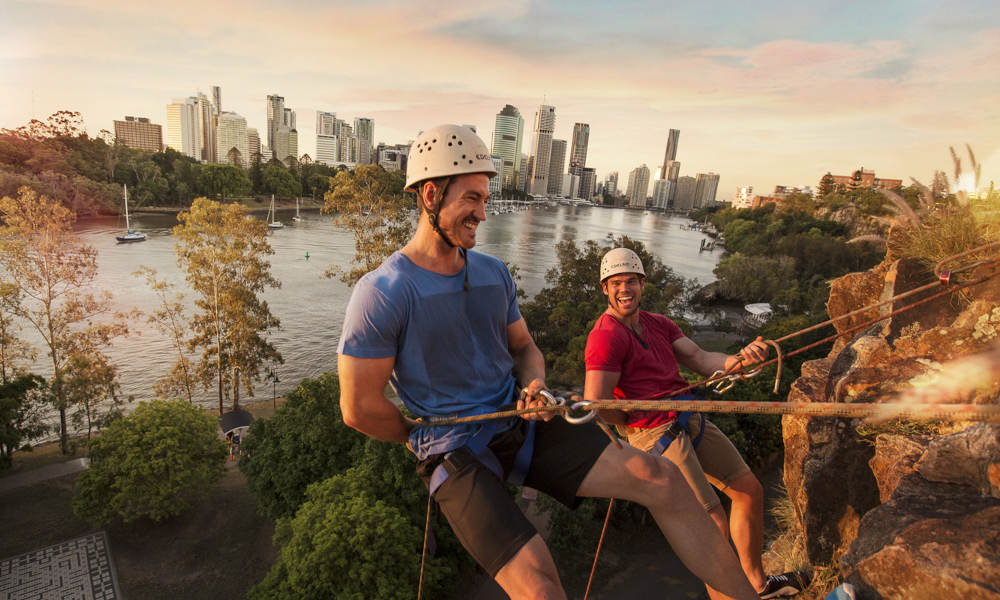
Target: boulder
930, 541
970, 457
895, 458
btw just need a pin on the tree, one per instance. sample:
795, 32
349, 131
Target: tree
223, 253
305, 442
755, 278
21, 400
15, 353
151, 463
826, 185
370, 202
53, 269
170, 320
275, 179
563, 313
224, 180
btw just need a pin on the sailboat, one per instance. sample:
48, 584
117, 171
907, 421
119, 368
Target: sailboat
296, 218
271, 222
129, 235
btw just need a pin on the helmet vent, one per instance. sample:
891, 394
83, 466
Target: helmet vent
456, 163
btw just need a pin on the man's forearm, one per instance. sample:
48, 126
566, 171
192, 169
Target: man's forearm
529, 365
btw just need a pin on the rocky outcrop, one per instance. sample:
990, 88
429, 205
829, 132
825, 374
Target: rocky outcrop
913, 512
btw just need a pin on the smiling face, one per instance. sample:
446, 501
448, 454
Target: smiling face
464, 208
624, 293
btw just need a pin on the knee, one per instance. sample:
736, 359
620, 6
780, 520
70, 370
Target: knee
746, 488
535, 585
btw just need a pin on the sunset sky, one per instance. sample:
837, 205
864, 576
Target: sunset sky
763, 92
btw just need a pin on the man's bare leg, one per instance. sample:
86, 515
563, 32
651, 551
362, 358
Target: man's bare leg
657, 484
531, 573
746, 523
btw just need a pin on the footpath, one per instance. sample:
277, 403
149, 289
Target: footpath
18, 480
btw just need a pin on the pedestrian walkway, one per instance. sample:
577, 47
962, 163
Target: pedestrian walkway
80, 568
18, 480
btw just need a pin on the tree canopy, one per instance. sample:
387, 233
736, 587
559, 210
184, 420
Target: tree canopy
150, 464
223, 253
21, 401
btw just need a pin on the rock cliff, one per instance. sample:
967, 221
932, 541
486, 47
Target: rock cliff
901, 510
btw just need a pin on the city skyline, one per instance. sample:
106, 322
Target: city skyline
783, 96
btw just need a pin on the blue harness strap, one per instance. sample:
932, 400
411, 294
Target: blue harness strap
479, 446
678, 426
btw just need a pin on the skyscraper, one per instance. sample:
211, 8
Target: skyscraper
139, 133
495, 190
325, 122
275, 115
684, 195
671, 169
557, 162
611, 183
578, 150
661, 193
364, 131
253, 143
183, 133
638, 185
545, 124
206, 127
705, 187
588, 181
233, 143
217, 99
508, 131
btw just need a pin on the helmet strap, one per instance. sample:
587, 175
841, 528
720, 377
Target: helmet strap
433, 214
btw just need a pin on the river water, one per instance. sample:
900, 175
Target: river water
311, 307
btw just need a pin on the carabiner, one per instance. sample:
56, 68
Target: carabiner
578, 406
724, 383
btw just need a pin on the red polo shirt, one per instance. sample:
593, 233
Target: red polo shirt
645, 372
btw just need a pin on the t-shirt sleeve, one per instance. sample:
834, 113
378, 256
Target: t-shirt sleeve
674, 331
510, 287
604, 351
372, 324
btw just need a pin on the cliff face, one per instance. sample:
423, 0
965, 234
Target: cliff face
904, 515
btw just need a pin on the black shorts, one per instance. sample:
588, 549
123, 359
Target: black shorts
478, 506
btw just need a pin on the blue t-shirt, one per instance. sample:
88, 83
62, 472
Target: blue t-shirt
450, 345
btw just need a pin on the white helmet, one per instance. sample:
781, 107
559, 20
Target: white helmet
447, 150
620, 260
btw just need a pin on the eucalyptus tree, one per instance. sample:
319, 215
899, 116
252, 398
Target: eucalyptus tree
171, 321
224, 255
54, 270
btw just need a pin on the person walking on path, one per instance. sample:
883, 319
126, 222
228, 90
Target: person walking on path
632, 353
440, 322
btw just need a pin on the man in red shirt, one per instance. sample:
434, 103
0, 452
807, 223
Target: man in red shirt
635, 354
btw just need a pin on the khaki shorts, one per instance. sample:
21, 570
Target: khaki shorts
716, 462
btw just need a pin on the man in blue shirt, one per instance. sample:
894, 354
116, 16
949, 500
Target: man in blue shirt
440, 322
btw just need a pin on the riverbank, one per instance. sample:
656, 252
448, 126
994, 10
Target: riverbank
254, 204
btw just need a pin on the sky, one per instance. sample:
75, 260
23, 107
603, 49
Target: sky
764, 93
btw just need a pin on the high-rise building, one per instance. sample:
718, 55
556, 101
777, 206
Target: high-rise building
522, 175
638, 185
326, 149
325, 122
661, 193
508, 131
611, 183
392, 158
705, 187
545, 124
286, 142
206, 128
183, 134
495, 182
233, 142
364, 131
743, 197
217, 99
288, 118
673, 138
684, 195
346, 147
139, 133
275, 109
557, 163
588, 180
578, 149
253, 143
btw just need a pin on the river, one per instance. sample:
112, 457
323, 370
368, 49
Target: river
311, 307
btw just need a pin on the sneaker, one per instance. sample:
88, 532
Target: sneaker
786, 584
